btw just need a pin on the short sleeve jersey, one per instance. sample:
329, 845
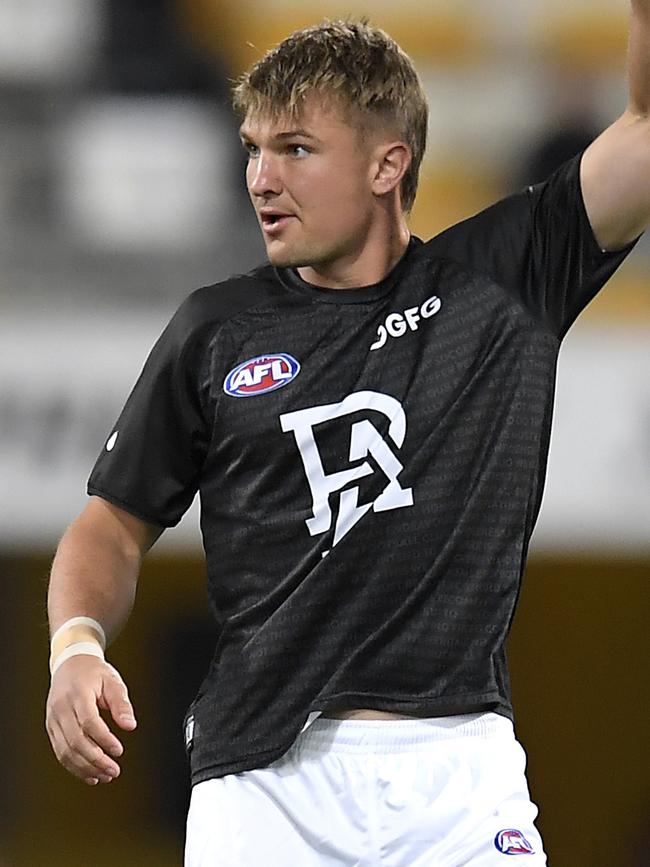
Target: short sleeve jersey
370, 465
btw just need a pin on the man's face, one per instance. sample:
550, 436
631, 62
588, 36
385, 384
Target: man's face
310, 184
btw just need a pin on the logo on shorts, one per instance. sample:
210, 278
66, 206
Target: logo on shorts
261, 374
512, 842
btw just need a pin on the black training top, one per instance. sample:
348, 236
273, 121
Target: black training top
370, 464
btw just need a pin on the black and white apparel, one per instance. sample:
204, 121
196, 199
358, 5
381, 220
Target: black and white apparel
370, 464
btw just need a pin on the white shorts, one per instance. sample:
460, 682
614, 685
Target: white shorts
444, 792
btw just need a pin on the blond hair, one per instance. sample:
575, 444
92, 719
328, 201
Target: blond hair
357, 65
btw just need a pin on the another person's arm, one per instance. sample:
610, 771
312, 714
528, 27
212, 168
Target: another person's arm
615, 170
94, 574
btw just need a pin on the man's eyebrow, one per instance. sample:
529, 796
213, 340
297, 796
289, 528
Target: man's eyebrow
295, 132
280, 136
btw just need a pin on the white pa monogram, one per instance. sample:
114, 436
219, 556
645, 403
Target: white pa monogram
365, 440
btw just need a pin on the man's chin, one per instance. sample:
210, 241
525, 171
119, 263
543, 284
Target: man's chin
283, 258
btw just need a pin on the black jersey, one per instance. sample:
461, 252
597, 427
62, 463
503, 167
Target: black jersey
370, 464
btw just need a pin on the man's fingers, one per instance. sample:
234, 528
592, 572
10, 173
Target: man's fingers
89, 738
81, 738
94, 740
115, 698
80, 759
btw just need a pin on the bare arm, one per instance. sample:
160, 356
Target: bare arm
95, 573
615, 170
96, 567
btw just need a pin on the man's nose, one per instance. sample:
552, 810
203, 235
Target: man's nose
264, 176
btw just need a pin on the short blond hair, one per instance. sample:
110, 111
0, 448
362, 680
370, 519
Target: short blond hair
357, 65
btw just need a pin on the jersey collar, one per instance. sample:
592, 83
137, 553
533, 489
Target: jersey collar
359, 295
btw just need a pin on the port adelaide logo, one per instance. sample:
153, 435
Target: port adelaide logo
261, 374
510, 841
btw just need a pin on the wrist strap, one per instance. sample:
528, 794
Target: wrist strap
81, 621
87, 648
78, 635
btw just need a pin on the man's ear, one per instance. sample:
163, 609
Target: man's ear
392, 163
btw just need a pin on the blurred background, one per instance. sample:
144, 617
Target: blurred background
121, 190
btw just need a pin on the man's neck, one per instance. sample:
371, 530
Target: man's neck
364, 267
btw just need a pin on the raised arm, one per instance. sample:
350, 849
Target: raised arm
94, 575
615, 170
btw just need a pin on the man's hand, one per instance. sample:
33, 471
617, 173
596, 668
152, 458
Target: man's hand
81, 740
94, 576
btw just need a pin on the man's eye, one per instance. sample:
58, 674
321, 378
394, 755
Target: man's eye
298, 150
251, 149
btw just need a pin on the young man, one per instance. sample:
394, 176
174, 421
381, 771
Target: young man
367, 421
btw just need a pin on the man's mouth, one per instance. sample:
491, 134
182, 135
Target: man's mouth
274, 222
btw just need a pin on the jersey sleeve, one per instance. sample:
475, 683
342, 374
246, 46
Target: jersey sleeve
151, 462
539, 245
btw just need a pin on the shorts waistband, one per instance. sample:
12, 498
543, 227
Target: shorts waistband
399, 736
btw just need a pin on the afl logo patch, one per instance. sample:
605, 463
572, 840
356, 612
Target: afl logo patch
261, 374
512, 842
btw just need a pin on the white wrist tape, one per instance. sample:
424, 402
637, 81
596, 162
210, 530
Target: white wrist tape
88, 648
78, 635
81, 621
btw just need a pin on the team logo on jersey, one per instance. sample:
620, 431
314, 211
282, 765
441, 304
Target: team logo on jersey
261, 374
365, 442
512, 842
397, 324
